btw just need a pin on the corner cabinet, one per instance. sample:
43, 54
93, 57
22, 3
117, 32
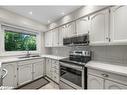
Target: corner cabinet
82, 26
99, 28
38, 69
55, 38
104, 80
11, 78
119, 25
61, 35
48, 67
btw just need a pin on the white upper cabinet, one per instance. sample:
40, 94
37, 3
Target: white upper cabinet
70, 29
119, 25
48, 39
55, 38
61, 35
99, 28
65, 31
82, 26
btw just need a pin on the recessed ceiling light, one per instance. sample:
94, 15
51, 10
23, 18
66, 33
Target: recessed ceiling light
49, 21
63, 13
30, 12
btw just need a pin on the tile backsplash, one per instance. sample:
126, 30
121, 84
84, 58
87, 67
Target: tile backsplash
114, 54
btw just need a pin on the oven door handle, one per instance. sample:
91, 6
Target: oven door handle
80, 68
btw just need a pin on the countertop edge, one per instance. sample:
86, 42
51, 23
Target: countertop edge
24, 59
107, 70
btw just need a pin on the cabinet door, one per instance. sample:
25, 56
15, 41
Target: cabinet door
55, 37
114, 85
119, 25
95, 82
70, 29
38, 69
48, 39
24, 74
99, 28
49, 68
11, 78
82, 26
61, 35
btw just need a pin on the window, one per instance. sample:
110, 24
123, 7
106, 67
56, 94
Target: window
18, 41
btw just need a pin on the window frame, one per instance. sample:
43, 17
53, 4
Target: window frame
25, 30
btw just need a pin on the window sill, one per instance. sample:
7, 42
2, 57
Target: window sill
17, 53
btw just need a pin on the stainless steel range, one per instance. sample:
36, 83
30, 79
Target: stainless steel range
73, 74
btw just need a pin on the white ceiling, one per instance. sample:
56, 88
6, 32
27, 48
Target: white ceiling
42, 13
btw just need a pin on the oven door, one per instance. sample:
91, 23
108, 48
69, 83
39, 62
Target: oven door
72, 75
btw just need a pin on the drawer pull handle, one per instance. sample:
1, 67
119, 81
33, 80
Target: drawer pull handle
104, 75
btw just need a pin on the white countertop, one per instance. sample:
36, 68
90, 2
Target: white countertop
53, 57
120, 69
14, 59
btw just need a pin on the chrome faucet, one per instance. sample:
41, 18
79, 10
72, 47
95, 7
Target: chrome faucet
28, 53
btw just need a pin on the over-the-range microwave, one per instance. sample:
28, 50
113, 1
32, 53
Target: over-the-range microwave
77, 40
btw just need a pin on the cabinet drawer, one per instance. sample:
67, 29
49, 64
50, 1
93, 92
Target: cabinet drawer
110, 76
56, 77
38, 60
55, 64
30, 61
26, 62
55, 70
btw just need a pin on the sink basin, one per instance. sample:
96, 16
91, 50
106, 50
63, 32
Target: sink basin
31, 56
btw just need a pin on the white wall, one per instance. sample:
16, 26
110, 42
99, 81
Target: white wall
12, 18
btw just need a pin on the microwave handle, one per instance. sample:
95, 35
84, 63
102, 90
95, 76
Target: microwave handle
6, 72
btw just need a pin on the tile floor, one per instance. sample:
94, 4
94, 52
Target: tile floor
51, 85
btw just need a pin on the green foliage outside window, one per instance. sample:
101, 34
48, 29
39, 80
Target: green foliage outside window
16, 41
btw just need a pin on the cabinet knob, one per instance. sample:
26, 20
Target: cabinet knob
104, 75
107, 38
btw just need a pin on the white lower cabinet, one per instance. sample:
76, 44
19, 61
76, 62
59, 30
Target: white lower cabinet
30, 70
95, 82
24, 74
11, 78
114, 85
52, 69
48, 67
104, 80
38, 69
